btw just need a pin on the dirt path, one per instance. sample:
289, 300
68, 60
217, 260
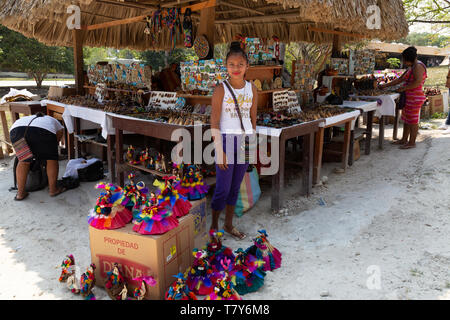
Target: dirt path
382, 233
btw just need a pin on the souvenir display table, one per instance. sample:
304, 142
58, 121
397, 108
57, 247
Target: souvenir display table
25, 107
3, 109
305, 130
368, 107
387, 108
348, 120
148, 128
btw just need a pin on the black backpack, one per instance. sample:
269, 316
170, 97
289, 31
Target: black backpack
93, 172
37, 176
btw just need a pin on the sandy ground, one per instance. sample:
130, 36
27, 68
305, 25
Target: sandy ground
382, 233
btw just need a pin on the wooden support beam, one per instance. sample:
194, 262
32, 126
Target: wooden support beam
77, 37
116, 22
231, 5
174, 3
340, 33
207, 20
200, 6
134, 5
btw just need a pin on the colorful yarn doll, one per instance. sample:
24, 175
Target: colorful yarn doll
172, 195
139, 293
248, 271
144, 157
179, 290
72, 283
115, 284
134, 195
87, 283
200, 278
218, 252
154, 220
193, 183
224, 287
263, 249
131, 157
68, 268
108, 212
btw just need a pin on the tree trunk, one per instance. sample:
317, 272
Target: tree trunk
39, 77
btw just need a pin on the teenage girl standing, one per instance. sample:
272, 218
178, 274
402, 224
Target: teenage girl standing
227, 134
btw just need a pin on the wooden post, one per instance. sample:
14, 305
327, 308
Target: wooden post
336, 46
77, 36
207, 27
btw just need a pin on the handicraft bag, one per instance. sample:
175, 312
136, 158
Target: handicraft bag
21, 147
249, 192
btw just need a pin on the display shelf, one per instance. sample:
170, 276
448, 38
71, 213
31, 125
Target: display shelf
116, 90
211, 181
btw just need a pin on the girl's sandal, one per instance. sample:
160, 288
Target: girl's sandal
236, 234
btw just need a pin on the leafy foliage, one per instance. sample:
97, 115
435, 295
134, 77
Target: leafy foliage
428, 11
20, 53
394, 63
426, 39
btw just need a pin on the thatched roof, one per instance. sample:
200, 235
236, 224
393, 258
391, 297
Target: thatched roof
45, 20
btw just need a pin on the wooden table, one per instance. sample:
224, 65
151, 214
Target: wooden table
56, 111
306, 130
396, 115
3, 109
345, 119
368, 107
148, 128
25, 107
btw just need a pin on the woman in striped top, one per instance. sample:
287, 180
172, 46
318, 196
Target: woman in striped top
413, 80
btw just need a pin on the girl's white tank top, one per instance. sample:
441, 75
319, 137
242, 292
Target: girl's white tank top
229, 119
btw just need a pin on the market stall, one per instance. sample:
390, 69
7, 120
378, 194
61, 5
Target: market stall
121, 99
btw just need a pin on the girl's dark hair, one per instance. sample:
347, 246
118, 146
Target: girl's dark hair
39, 114
410, 54
235, 48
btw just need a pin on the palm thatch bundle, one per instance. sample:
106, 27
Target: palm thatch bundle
289, 20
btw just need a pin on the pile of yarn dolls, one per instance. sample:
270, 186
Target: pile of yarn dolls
217, 272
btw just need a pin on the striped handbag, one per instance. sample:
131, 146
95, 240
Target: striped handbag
21, 147
249, 193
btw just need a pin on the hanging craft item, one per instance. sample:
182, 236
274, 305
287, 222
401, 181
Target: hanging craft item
276, 47
179, 290
201, 46
187, 28
87, 283
108, 212
249, 272
115, 284
139, 292
148, 27
262, 249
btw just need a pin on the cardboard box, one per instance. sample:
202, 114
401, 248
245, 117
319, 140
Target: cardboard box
159, 256
54, 91
201, 235
436, 103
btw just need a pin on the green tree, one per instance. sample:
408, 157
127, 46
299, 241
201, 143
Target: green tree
160, 59
394, 63
426, 39
428, 11
29, 55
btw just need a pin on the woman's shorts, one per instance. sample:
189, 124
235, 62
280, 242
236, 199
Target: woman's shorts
42, 142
